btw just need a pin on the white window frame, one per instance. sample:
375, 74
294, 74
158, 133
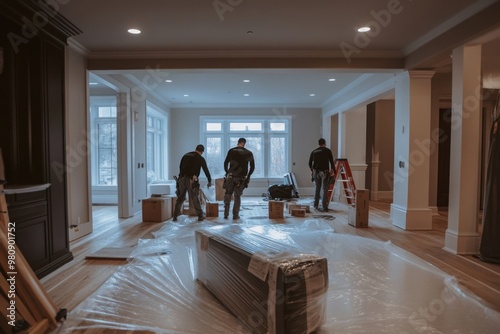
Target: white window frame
160, 142
265, 134
96, 103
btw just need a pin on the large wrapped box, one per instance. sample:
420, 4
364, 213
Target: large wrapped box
271, 287
156, 209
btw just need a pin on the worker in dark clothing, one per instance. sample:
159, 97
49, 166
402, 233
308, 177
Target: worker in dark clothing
322, 167
190, 166
237, 176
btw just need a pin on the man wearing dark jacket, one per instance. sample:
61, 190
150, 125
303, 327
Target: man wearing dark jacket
321, 165
237, 176
190, 166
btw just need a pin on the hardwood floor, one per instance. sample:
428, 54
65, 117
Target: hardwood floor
75, 281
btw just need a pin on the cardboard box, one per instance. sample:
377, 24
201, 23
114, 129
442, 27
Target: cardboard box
358, 214
276, 209
298, 206
156, 209
212, 209
298, 212
219, 191
173, 200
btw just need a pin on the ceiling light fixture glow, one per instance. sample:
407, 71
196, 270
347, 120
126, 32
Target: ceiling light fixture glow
312, 94
246, 80
246, 94
168, 80
134, 31
364, 29
186, 95
331, 79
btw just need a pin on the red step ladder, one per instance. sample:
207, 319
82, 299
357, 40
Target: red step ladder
343, 174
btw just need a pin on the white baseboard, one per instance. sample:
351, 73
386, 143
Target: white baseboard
105, 199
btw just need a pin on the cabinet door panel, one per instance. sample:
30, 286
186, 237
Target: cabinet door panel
31, 238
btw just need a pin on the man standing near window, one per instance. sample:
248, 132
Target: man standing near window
237, 176
190, 166
320, 161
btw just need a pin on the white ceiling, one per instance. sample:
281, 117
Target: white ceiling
305, 42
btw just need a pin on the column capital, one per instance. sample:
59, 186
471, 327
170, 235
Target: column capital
423, 74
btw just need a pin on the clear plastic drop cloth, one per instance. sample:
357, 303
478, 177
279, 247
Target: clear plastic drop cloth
373, 287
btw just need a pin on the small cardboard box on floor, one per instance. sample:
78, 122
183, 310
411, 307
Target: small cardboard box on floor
276, 209
291, 207
156, 209
212, 209
358, 214
298, 212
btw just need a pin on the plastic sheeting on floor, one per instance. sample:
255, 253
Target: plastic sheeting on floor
374, 287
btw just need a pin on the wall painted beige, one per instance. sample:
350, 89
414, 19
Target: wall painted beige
77, 144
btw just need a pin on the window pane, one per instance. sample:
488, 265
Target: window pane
215, 157
106, 135
214, 126
107, 171
106, 111
233, 126
103, 112
278, 126
155, 153
277, 155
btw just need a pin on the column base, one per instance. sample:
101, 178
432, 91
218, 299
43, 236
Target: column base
461, 244
411, 219
434, 210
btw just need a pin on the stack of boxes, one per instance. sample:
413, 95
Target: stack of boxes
160, 206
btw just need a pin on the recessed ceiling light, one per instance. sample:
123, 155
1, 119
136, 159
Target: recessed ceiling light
134, 31
186, 95
364, 29
312, 94
246, 94
168, 80
93, 83
246, 80
331, 79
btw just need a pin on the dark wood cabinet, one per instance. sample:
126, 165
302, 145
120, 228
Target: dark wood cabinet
32, 128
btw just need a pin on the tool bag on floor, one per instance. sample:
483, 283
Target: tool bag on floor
280, 191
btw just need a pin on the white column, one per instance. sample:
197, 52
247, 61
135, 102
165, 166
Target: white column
326, 129
463, 212
412, 147
374, 184
341, 154
125, 158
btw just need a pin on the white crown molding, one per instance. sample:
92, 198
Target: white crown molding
74, 45
240, 54
242, 106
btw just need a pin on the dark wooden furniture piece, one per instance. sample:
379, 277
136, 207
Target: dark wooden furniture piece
32, 127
